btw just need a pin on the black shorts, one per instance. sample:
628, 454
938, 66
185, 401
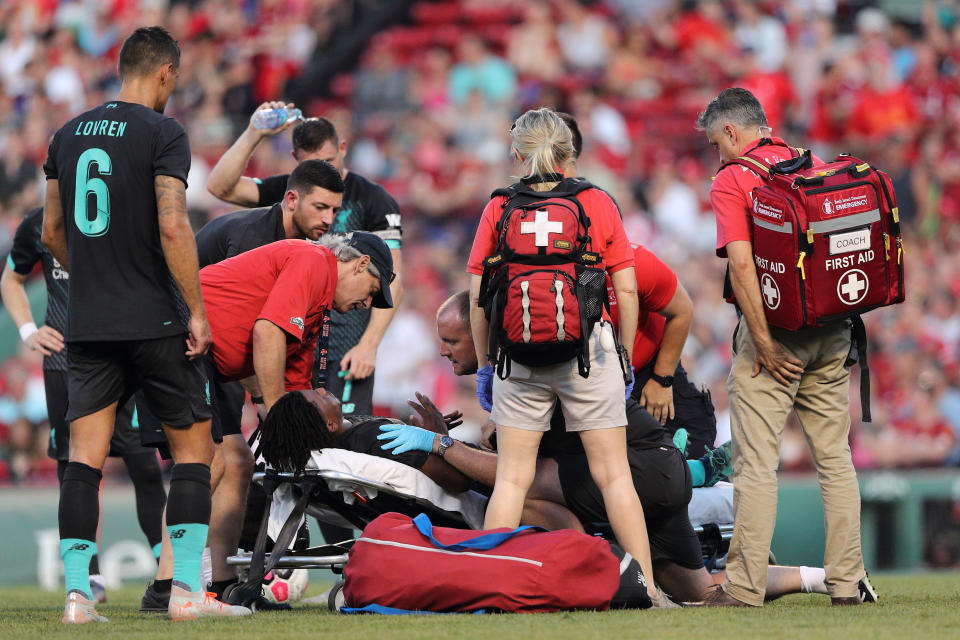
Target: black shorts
662, 480
175, 389
228, 398
124, 442
693, 410
226, 411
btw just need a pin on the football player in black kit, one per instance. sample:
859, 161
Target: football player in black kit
116, 216
306, 210
141, 462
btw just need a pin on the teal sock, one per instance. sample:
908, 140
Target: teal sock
76, 554
698, 472
188, 541
156, 551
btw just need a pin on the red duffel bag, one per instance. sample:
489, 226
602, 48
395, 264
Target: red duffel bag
407, 563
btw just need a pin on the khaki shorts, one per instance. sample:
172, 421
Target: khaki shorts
527, 398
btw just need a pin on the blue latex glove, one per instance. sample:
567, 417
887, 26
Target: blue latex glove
485, 387
405, 437
629, 387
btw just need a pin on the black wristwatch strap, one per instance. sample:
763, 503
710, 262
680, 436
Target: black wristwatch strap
663, 381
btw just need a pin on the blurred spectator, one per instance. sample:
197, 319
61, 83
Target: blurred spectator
381, 88
585, 37
479, 70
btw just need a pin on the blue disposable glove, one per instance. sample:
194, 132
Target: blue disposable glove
485, 387
405, 437
629, 387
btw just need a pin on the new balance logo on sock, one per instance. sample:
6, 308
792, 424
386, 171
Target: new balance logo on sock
79, 546
177, 533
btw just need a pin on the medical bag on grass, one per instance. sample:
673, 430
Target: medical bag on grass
826, 243
404, 563
542, 289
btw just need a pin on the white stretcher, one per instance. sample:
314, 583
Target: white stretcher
349, 489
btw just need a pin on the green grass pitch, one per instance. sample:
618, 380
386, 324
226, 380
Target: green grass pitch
925, 606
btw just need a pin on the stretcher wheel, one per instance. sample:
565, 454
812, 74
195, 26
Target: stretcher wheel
335, 598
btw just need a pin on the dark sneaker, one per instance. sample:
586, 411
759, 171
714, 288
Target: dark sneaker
718, 464
247, 595
867, 592
717, 597
154, 601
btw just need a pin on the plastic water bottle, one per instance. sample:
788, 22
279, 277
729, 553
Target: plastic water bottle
273, 118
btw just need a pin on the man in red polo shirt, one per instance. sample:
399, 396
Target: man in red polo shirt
775, 372
267, 305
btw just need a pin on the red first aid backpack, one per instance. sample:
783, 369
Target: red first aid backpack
542, 289
826, 243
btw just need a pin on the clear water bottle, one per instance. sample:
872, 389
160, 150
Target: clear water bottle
273, 118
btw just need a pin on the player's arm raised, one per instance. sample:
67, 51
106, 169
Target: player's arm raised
180, 251
226, 180
54, 234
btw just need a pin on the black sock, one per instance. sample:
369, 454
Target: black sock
79, 510
95, 565
144, 471
189, 499
163, 586
218, 586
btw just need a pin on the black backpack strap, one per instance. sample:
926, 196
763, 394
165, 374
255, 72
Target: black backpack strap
858, 336
894, 213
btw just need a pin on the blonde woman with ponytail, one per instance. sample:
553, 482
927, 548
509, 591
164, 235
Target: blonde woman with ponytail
593, 406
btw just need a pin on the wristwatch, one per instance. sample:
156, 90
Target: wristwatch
664, 381
445, 443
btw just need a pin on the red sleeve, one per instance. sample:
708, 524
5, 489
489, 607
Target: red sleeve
731, 208
485, 242
297, 290
656, 282
612, 242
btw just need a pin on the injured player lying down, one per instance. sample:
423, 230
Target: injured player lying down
563, 494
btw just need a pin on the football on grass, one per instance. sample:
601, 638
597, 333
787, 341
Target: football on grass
285, 586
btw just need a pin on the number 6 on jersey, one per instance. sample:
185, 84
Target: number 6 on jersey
86, 186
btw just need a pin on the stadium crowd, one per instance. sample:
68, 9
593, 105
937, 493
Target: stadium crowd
426, 113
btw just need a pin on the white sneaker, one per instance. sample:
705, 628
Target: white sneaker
190, 605
79, 610
663, 601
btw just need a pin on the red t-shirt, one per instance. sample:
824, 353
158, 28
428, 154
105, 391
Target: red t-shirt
656, 284
290, 283
731, 197
606, 232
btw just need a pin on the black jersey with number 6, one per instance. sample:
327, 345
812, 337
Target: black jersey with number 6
105, 161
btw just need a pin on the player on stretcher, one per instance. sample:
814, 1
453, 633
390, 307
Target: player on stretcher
563, 494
